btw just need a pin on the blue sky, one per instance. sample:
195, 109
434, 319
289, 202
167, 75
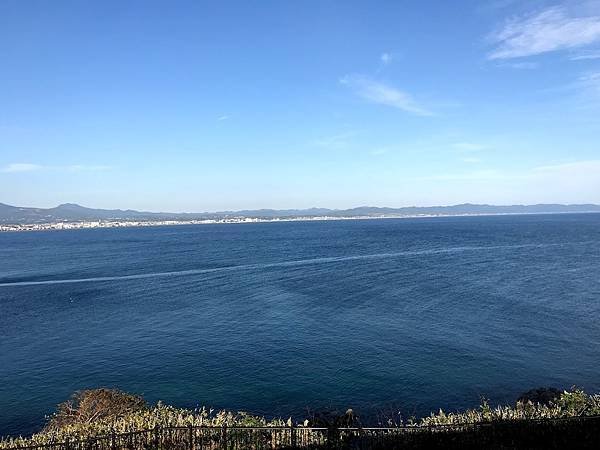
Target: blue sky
203, 106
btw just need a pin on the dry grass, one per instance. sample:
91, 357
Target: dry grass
100, 412
86, 407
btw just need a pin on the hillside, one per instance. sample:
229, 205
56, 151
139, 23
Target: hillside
73, 212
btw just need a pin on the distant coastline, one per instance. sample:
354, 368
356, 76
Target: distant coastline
72, 216
93, 224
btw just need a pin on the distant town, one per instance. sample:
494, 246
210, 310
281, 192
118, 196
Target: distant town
70, 216
155, 223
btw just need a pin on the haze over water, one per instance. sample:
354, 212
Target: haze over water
272, 318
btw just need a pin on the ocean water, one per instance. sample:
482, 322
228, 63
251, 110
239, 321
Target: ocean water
379, 315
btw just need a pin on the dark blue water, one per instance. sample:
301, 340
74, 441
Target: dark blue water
412, 314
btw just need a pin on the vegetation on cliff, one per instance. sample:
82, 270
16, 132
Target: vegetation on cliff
100, 412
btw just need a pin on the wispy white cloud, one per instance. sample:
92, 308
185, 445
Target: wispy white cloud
576, 181
495, 5
583, 92
470, 160
223, 117
28, 167
378, 151
20, 167
82, 168
336, 141
575, 176
526, 65
585, 89
385, 58
571, 169
563, 182
593, 54
589, 81
549, 30
468, 146
383, 94
478, 175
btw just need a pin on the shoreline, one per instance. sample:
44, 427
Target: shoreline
95, 224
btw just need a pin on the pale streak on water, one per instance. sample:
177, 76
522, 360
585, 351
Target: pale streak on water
301, 262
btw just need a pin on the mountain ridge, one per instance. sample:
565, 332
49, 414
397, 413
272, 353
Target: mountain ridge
74, 212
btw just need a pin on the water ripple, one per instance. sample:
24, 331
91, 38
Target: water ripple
292, 263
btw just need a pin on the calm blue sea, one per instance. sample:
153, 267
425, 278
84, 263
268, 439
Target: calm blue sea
275, 318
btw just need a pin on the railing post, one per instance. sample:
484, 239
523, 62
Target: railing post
191, 437
224, 437
332, 437
67, 446
156, 437
113, 444
293, 438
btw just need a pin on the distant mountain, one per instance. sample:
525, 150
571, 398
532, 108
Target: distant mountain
64, 212
73, 212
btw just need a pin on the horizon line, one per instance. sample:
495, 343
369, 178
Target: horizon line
227, 211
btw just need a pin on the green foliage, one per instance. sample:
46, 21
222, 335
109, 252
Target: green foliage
94, 413
570, 404
141, 419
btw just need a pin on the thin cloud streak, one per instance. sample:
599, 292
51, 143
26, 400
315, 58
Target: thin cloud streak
20, 167
383, 94
385, 58
550, 30
468, 146
479, 175
83, 168
585, 56
578, 172
337, 141
576, 168
523, 65
378, 151
590, 82
471, 160
586, 89
28, 167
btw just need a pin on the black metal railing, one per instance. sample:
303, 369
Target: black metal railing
258, 438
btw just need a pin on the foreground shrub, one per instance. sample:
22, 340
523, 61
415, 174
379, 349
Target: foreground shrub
96, 413
73, 421
94, 405
544, 396
570, 404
